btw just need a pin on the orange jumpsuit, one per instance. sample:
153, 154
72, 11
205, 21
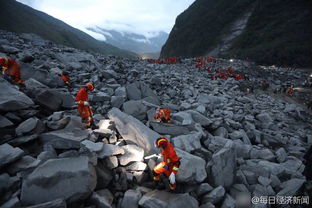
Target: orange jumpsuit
13, 67
163, 114
65, 79
169, 165
290, 91
238, 77
84, 111
209, 59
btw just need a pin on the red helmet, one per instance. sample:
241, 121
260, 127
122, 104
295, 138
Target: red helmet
90, 86
161, 141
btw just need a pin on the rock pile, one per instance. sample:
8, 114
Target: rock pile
229, 142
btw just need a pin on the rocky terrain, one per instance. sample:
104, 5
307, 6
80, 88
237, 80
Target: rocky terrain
230, 142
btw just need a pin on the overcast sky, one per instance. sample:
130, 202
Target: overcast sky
139, 16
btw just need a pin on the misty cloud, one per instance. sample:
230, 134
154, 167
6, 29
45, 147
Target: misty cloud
138, 16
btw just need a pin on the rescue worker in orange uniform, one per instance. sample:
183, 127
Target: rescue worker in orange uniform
163, 115
290, 91
82, 101
200, 62
170, 164
65, 78
12, 68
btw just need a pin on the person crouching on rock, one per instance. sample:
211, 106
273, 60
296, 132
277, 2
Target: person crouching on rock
170, 165
11, 70
64, 76
82, 101
162, 115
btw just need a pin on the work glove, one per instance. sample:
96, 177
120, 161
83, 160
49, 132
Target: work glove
3, 69
172, 178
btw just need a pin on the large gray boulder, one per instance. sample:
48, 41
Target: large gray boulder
265, 154
189, 142
271, 167
25, 163
290, 187
34, 87
4, 122
12, 203
223, 165
147, 91
133, 91
102, 198
54, 100
108, 74
209, 99
183, 118
134, 131
9, 154
132, 153
11, 99
131, 199
228, 202
172, 129
30, 126
57, 203
21, 140
215, 196
196, 174
163, 199
199, 118
135, 108
110, 150
71, 179
117, 101
65, 139
42, 75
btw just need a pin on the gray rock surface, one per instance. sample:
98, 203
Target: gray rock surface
133, 130
30, 126
131, 199
223, 166
193, 175
189, 142
162, 199
70, 178
11, 99
64, 139
9, 154
132, 153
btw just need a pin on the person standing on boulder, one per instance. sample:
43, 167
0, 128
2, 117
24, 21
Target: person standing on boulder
170, 165
11, 69
82, 101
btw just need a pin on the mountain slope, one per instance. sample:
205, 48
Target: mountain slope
276, 32
137, 43
19, 18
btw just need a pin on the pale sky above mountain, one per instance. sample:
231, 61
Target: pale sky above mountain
138, 16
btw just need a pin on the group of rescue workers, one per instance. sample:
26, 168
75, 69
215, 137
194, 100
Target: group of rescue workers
171, 162
171, 60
